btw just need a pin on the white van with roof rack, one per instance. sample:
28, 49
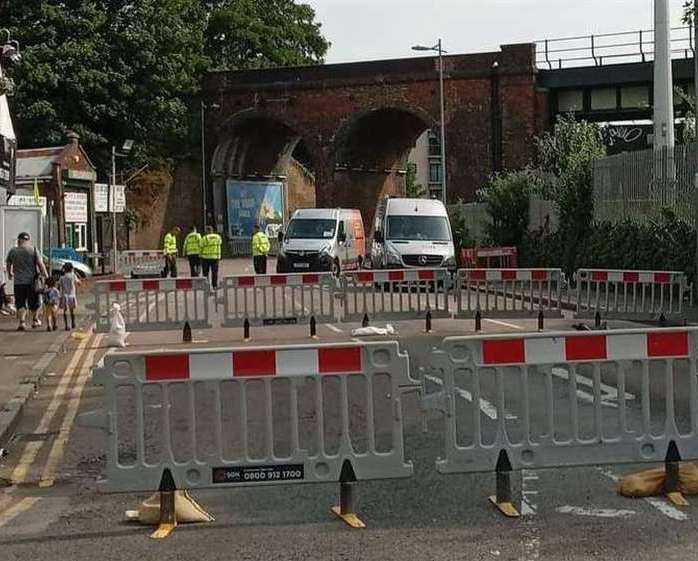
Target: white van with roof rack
411, 233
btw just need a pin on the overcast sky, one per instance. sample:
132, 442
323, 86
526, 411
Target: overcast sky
376, 29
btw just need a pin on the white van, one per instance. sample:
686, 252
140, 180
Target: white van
412, 233
322, 239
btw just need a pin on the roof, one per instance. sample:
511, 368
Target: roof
37, 162
427, 207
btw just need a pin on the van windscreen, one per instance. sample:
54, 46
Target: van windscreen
416, 228
311, 229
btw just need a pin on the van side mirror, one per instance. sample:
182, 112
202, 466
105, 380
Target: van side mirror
280, 236
342, 237
378, 236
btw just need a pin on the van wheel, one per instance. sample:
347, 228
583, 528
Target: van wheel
336, 268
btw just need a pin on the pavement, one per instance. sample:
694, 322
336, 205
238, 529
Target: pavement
50, 502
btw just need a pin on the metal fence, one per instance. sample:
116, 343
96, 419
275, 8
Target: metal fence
609, 48
242, 247
637, 185
141, 262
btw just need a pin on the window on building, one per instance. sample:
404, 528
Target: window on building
633, 97
435, 172
570, 100
604, 98
434, 144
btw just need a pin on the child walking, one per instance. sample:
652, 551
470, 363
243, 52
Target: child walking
68, 284
51, 301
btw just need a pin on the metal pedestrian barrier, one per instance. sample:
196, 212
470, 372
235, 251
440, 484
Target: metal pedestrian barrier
279, 299
154, 305
141, 263
560, 400
396, 294
509, 293
229, 417
631, 295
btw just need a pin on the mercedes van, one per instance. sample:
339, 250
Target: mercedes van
322, 239
412, 233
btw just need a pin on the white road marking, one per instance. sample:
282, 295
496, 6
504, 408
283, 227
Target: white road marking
661, 505
333, 328
609, 396
485, 406
595, 512
503, 323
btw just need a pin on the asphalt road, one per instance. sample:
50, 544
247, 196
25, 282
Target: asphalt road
50, 505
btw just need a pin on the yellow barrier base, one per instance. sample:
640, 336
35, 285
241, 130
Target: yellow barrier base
677, 499
349, 518
163, 531
507, 509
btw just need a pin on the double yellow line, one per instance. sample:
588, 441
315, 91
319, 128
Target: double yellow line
69, 392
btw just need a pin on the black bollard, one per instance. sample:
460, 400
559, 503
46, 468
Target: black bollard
478, 321
428, 322
313, 327
186, 333
364, 322
541, 321
597, 320
662, 320
246, 330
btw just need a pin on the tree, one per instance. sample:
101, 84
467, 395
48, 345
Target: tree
567, 154
688, 9
244, 34
507, 197
412, 188
116, 69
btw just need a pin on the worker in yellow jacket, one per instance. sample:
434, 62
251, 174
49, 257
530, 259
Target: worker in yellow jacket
169, 248
211, 244
260, 250
192, 251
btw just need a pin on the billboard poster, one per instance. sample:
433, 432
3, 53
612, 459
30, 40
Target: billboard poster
254, 202
7, 164
75, 207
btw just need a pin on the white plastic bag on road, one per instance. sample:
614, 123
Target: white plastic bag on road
117, 331
364, 331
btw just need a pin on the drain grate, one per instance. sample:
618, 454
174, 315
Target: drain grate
33, 436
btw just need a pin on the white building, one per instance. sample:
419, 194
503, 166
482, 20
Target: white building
426, 156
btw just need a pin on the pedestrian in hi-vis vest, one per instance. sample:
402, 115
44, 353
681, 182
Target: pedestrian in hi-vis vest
260, 250
169, 248
211, 244
192, 251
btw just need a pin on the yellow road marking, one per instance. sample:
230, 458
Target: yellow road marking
31, 450
14, 511
58, 446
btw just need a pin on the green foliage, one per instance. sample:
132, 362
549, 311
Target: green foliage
688, 9
567, 154
116, 69
412, 188
664, 244
507, 197
688, 129
459, 229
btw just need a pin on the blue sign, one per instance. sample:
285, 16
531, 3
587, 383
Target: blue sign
254, 202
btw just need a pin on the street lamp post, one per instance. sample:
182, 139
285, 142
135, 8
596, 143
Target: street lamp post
126, 148
204, 197
439, 49
695, 125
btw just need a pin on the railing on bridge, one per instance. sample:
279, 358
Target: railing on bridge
609, 48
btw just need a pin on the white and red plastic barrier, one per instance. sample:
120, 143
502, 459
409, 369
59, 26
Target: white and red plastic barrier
502, 275
215, 365
566, 348
295, 279
620, 276
398, 275
151, 285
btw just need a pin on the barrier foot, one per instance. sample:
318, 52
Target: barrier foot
345, 510
168, 518
313, 328
597, 320
478, 321
672, 482
186, 333
246, 331
502, 500
541, 321
365, 321
662, 320
428, 322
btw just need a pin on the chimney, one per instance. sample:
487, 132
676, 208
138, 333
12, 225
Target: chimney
73, 138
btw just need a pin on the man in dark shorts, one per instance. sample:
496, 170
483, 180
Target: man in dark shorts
24, 264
